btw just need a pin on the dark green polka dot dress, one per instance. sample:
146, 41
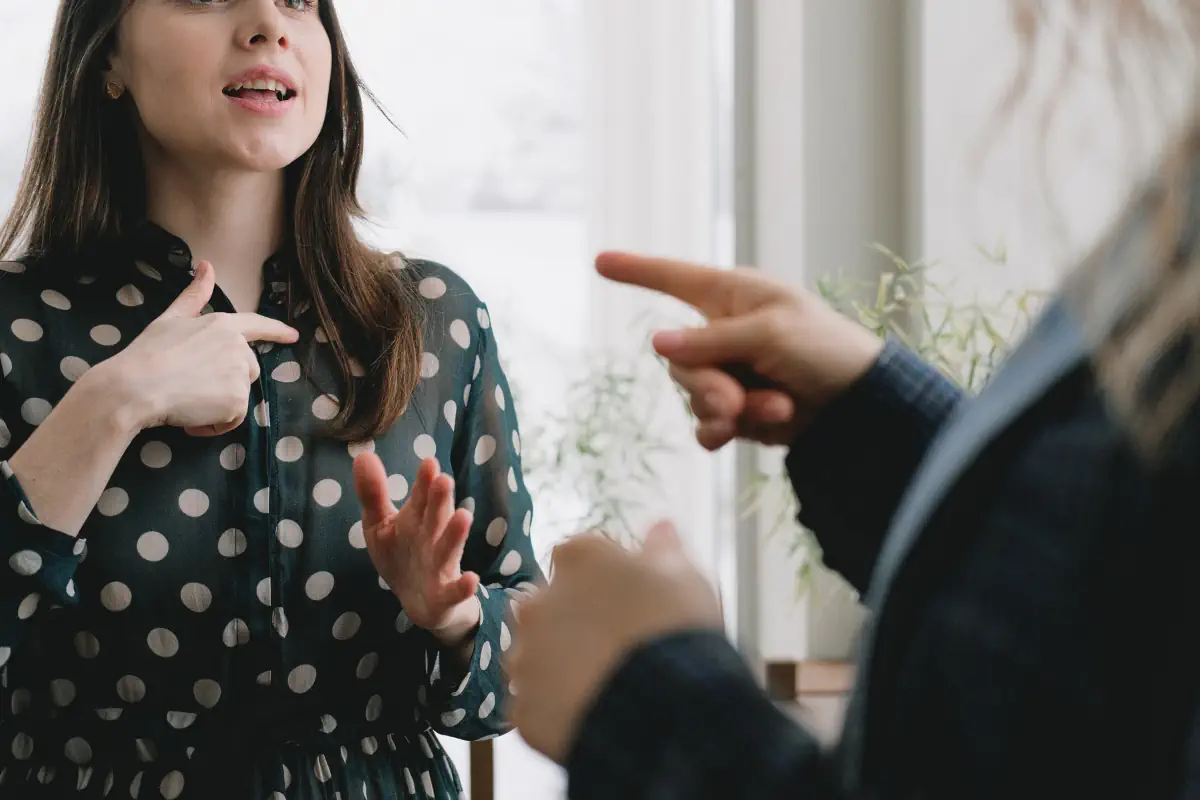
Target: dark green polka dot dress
218, 628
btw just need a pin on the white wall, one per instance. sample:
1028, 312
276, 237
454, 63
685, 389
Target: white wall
653, 182
985, 183
834, 170
839, 122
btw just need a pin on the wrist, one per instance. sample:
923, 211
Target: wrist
108, 388
462, 629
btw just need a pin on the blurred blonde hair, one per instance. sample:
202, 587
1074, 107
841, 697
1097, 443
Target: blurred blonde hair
1137, 296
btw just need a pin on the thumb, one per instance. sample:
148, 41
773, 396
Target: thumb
662, 541
370, 483
722, 341
663, 550
191, 301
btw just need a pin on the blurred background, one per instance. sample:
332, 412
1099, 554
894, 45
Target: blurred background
806, 137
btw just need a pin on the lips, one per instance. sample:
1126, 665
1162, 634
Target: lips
265, 89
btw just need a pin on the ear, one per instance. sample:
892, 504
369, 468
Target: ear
112, 78
115, 68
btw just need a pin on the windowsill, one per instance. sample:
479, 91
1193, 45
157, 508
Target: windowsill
815, 692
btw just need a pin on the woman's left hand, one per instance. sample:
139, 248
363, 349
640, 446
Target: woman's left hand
418, 548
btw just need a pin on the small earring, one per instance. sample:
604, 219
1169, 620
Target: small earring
114, 90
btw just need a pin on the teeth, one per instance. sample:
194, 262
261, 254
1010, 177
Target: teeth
259, 85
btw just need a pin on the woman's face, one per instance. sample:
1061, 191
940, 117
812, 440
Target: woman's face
226, 84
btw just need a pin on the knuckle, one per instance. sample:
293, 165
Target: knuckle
568, 548
234, 408
778, 321
681, 375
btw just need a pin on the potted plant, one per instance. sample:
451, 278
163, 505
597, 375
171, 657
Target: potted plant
966, 341
603, 444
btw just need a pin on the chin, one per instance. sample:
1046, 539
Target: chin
268, 155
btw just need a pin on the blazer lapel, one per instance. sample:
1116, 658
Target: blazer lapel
1053, 348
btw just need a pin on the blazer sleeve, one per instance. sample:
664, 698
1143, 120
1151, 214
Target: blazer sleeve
683, 719
850, 468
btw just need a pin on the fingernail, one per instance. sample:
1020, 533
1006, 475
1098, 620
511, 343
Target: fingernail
664, 528
668, 340
778, 408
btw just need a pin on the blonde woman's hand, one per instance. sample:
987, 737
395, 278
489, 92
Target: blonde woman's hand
807, 352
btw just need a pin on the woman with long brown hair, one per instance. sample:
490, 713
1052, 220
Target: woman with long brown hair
199, 358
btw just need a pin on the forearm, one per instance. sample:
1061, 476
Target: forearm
66, 463
850, 469
682, 718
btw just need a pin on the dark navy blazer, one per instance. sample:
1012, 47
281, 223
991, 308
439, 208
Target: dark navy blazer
1034, 607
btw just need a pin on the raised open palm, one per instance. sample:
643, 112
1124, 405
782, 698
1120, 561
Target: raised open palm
418, 548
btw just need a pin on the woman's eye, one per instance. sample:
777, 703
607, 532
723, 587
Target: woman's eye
292, 5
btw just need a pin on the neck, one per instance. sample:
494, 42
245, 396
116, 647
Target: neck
235, 220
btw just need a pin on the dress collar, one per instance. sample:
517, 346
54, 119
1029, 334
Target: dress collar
156, 247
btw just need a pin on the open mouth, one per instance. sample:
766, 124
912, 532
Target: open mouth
262, 89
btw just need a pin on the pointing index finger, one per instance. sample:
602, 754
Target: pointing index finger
258, 328
698, 286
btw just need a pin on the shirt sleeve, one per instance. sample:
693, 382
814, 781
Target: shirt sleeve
39, 563
851, 466
683, 719
469, 704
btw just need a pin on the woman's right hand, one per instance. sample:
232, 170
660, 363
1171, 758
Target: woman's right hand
809, 351
193, 370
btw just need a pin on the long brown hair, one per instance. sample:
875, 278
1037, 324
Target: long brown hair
76, 197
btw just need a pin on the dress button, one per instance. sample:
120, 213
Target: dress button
181, 259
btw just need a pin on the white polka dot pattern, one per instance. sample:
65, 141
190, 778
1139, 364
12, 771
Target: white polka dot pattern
231, 543
73, 368
196, 597
233, 456
237, 564
26, 330
425, 446
327, 492
130, 296
429, 365
289, 533
113, 501
432, 288
460, 334
397, 488
155, 455
325, 407
287, 372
